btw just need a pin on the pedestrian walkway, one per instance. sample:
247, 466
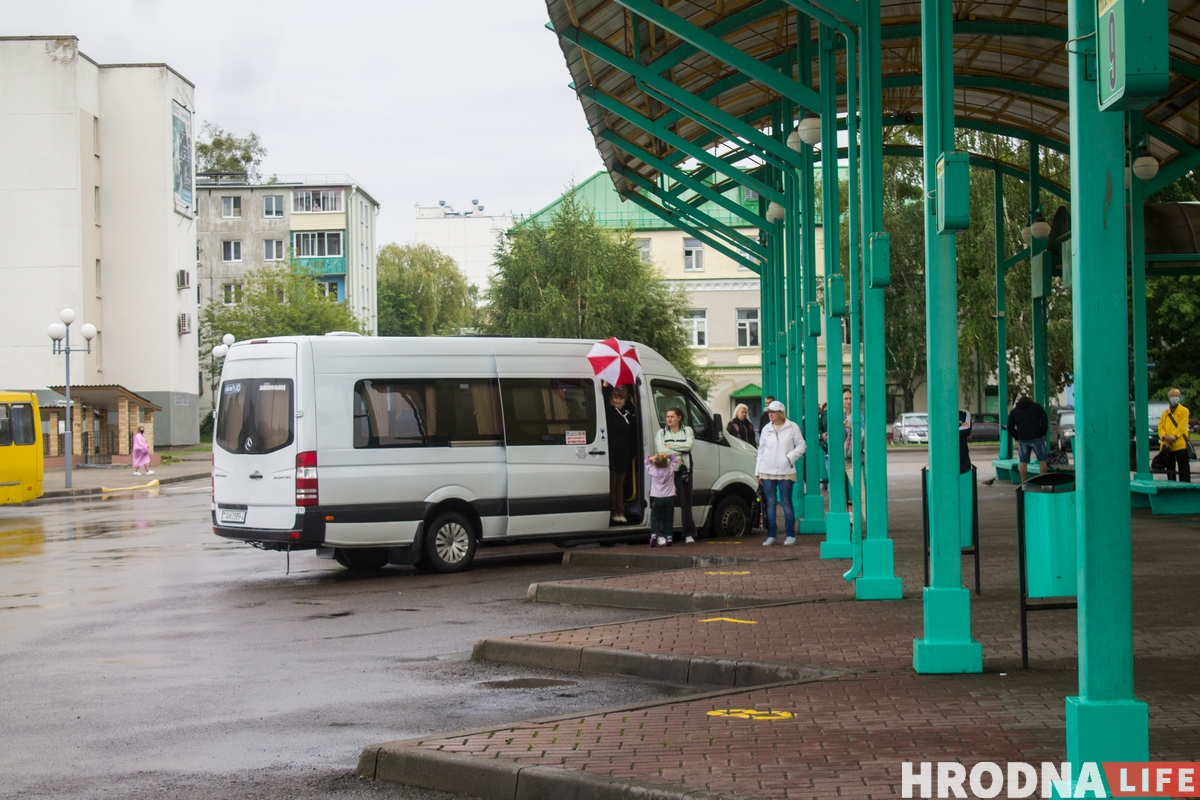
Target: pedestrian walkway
855, 709
89, 480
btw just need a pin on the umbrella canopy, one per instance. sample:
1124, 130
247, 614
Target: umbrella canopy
615, 361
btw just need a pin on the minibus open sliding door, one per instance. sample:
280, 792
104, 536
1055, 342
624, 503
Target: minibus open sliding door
557, 463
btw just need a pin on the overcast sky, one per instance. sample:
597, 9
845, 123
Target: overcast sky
417, 100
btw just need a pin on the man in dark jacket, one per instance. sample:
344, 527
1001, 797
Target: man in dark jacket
1028, 423
622, 448
766, 415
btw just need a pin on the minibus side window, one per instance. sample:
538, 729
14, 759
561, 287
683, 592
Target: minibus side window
668, 395
549, 411
5, 426
426, 413
255, 416
22, 424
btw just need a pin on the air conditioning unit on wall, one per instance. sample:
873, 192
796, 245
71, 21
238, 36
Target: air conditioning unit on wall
183, 279
185, 324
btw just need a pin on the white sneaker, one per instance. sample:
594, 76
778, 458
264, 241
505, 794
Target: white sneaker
149, 472
789, 540
769, 542
662, 541
689, 540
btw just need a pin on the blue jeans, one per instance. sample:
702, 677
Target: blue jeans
789, 515
1036, 447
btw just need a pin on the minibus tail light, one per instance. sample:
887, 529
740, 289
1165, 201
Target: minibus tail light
306, 479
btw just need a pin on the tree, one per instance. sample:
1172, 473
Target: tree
277, 300
422, 292
904, 299
575, 279
221, 151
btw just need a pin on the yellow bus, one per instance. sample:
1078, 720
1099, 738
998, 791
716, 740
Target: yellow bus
20, 448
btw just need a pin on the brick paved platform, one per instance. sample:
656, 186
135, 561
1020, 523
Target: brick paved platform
849, 732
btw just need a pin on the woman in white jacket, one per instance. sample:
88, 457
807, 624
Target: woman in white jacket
780, 446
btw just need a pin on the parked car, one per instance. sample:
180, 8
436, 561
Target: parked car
1062, 429
911, 428
985, 428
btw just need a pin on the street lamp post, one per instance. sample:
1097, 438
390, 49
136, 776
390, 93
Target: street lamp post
60, 334
219, 352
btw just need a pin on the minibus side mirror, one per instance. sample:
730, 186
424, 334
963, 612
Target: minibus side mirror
718, 428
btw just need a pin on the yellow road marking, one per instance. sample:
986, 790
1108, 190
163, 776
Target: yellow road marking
751, 713
744, 572
149, 485
730, 619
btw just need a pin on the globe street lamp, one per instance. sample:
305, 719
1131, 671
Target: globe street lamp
60, 335
218, 353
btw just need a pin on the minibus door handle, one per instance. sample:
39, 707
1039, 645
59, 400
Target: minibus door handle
256, 475
595, 452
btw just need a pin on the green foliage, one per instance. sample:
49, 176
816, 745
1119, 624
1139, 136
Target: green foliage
421, 292
221, 151
1173, 334
575, 279
904, 299
277, 300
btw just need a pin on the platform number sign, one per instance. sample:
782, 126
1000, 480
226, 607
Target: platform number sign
1131, 53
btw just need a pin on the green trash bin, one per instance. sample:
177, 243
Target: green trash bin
1049, 535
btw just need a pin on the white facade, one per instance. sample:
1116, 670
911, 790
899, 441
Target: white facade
87, 199
468, 237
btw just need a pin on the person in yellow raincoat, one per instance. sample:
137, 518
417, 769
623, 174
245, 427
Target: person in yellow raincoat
1173, 435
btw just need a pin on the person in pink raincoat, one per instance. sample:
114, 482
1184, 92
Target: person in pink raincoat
141, 452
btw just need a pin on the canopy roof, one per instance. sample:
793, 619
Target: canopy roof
1010, 71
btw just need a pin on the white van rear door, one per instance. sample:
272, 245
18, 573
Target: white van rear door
256, 438
557, 463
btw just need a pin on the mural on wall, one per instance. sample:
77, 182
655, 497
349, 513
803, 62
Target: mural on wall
182, 152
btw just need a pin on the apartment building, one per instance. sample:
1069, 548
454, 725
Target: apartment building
469, 237
97, 196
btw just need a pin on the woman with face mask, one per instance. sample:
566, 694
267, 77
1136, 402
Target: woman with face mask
1173, 435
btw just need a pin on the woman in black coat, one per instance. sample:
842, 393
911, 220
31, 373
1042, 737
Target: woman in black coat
740, 426
622, 448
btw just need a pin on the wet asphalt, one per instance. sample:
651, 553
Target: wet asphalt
142, 656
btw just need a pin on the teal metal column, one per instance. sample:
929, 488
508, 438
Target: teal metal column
947, 646
813, 504
1137, 249
878, 580
1104, 722
1040, 276
837, 521
795, 291
1001, 323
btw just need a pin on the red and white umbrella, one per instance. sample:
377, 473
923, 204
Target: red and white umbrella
615, 361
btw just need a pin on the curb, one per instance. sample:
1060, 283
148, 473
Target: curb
601, 558
744, 673
649, 599
59, 495
495, 779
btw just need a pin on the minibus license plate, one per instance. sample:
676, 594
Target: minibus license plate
229, 515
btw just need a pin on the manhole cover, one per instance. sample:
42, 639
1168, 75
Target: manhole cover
526, 683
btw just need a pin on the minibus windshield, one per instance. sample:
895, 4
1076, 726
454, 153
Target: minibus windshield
255, 415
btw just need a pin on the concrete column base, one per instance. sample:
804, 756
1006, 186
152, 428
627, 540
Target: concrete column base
947, 648
837, 536
1107, 730
878, 581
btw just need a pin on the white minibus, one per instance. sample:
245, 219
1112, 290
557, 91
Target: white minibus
376, 450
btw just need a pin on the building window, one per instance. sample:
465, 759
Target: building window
96, 136
96, 204
231, 251
693, 255
747, 327
316, 200
696, 322
273, 250
231, 293
318, 244
644, 248
231, 208
328, 288
749, 195
98, 282
273, 205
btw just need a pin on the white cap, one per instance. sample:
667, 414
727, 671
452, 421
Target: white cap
775, 405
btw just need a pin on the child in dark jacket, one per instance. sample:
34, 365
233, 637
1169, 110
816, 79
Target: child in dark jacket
661, 467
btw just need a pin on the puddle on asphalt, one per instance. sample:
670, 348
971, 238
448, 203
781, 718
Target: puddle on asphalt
527, 683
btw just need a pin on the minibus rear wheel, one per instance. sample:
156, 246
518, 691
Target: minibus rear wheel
732, 517
362, 559
450, 543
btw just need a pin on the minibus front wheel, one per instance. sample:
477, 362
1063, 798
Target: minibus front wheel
450, 543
